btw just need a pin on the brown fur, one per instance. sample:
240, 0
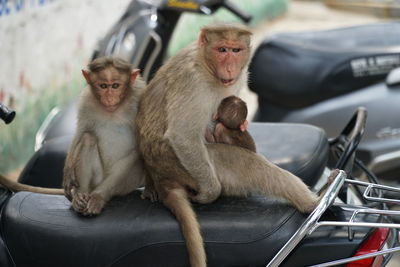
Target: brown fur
103, 161
231, 117
173, 116
17, 187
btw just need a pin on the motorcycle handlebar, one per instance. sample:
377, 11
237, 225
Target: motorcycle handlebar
6, 114
351, 136
235, 10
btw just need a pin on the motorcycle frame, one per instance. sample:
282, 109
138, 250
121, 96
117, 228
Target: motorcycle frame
148, 54
313, 220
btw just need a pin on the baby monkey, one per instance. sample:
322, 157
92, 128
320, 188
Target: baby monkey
231, 124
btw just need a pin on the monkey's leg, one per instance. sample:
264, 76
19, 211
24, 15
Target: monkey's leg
194, 158
86, 162
242, 171
125, 175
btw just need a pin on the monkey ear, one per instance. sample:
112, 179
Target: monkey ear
202, 39
134, 75
244, 125
86, 74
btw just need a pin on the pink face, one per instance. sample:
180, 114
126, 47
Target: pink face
110, 87
228, 59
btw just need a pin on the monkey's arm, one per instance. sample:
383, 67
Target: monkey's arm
192, 154
70, 182
125, 175
223, 134
209, 136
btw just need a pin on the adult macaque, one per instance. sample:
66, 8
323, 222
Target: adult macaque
173, 116
103, 160
231, 124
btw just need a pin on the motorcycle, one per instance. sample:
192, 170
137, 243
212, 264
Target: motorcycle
41, 230
349, 224
339, 70
332, 72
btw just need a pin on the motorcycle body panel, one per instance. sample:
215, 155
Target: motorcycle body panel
42, 230
322, 77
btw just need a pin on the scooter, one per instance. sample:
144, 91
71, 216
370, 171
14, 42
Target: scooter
42, 230
350, 224
320, 77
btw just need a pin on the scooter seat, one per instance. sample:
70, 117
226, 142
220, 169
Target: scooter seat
295, 70
299, 148
42, 230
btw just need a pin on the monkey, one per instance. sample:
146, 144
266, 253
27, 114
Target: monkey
231, 124
174, 112
102, 161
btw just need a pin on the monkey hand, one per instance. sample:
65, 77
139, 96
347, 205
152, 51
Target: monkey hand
209, 136
207, 196
244, 126
70, 186
79, 202
149, 193
94, 205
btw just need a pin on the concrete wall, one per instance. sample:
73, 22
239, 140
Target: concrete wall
43, 41
43, 46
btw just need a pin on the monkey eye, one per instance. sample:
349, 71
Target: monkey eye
236, 50
221, 49
103, 86
115, 85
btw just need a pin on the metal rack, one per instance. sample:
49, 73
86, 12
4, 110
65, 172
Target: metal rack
313, 221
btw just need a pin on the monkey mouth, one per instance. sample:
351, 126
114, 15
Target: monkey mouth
227, 82
111, 108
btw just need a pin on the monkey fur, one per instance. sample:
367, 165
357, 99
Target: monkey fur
231, 124
173, 115
103, 160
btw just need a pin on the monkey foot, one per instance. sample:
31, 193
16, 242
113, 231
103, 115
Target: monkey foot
94, 205
206, 197
333, 175
80, 201
150, 194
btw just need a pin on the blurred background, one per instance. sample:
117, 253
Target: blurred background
44, 44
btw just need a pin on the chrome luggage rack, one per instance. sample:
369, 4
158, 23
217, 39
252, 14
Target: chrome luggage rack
313, 221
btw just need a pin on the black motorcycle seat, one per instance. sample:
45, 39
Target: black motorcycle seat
295, 70
42, 230
299, 148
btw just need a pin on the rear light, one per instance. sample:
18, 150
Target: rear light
374, 243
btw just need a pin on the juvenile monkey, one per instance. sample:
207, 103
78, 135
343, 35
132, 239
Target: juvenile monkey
103, 160
173, 115
231, 124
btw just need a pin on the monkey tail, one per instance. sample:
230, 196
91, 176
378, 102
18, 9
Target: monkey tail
177, 201
16, 187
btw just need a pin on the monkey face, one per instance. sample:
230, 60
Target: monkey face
228, 58
109, 86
